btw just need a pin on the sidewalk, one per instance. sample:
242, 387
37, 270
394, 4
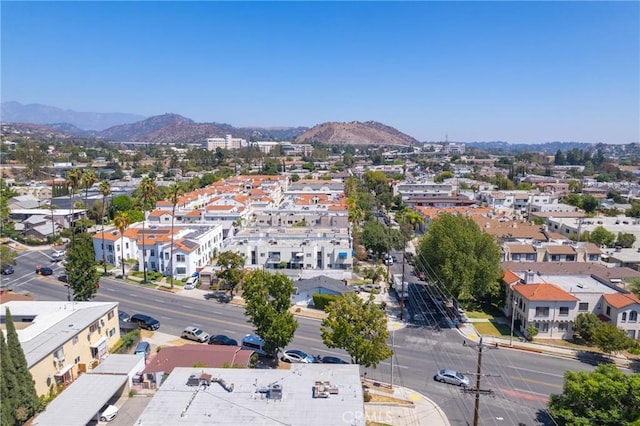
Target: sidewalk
468, 331
411, 408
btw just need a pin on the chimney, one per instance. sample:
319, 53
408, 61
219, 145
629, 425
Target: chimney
529, 277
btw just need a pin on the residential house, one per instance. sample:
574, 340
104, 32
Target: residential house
306, 288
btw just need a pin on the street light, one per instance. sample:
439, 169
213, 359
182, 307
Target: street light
513, 316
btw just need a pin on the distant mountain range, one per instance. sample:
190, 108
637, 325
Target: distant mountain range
15, 112
51, 122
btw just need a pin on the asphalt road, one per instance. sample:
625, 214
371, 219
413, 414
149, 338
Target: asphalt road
520, 382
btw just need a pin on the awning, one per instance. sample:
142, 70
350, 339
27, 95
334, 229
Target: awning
64, 370
101, 342
299, 254
342, 254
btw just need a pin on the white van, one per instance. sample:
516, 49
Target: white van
254, 343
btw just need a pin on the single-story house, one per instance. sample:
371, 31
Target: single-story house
306, 288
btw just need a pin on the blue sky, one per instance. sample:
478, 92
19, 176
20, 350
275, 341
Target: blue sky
522, 72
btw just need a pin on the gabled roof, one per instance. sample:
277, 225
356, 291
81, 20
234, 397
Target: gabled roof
322, 281
620, 300
521, 248
591, 248
543, 292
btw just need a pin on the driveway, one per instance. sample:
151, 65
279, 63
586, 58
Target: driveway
129, 412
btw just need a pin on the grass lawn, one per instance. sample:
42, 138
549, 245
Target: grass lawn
492, 329
482, 311
568, 344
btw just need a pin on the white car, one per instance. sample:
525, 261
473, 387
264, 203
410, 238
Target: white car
109, 413
191, 283
58, 254
297, 356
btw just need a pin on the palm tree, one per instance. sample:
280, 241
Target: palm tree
105, 190
148, 192
122, 222
174, 194
88, 179
74, 177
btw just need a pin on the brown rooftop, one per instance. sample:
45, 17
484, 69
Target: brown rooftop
572, 268
521, 248
211, 356
560, 249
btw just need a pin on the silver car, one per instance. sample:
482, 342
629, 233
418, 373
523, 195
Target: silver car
452, 377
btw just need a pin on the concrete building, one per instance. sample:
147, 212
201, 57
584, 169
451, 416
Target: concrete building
60, 340
307, 394
228, 142
572, 227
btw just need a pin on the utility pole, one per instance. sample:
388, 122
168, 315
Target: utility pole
477, 391
402, 292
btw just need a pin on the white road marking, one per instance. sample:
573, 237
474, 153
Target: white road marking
535, 371
532, 392
394, 365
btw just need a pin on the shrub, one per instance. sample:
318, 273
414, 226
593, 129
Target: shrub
531, 332
321, 301
126, 341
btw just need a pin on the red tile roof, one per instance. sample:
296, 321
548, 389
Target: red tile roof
620, 300
510, 277
543, 292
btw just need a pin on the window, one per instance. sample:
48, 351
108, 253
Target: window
633, 316
624, 317
77, 360
110, 315
545, 327
515, 257
564, 311
562, 326
583, 307
93, 327
74, 340
608, 310
181, 271
112, 331
555, 258
153, 252
542, 311
58, 353
166, 256
180, 257
126, 245
110, 248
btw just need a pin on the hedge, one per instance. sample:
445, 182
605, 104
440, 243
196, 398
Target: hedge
320, 301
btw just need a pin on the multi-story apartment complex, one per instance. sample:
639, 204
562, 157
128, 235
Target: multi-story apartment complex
61, 340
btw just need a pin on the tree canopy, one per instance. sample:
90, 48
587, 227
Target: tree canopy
463, 257
80, 267
268, 298
602, 237
232, 265
606, 396
19, 397
359, 327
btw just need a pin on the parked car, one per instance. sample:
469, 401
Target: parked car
452, 377
109, 413
194, 333
7, 270
43, 270
123, 316
331, 360
219, 296
145, 321
191, 283
63, 278
221, 339
297, 356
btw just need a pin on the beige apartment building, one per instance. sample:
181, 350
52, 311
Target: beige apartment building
61, 340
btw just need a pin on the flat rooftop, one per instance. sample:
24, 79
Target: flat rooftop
574, 284
243, 397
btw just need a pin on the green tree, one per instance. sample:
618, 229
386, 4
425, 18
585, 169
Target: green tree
465, 258
625, 240
26, 401
441, 177
634, 286
560, 159
606, 397
602, 237
105, 190
590, 203
147, 196
72, 181
6, 224
8, 385
174, 196
87, 180
358, 327
33, 157
232, 265
374, 237
586, 326
634, 210
268, 298
611, 339
575, 186
119, 204
122, 222
7, 256
80, 267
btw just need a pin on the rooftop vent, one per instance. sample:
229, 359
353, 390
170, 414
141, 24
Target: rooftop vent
275, 391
